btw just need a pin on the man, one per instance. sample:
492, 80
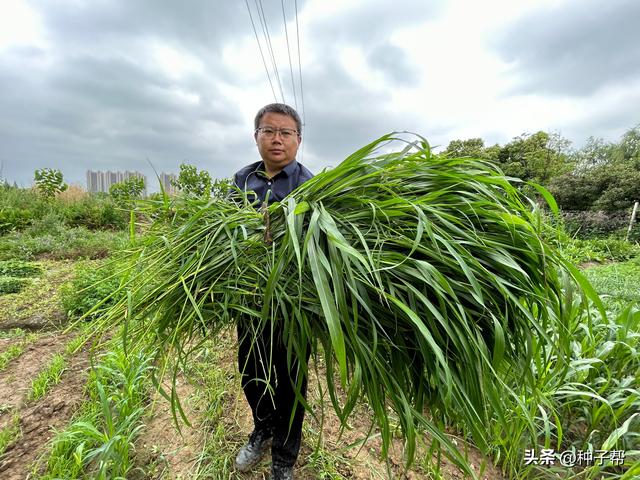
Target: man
268, 383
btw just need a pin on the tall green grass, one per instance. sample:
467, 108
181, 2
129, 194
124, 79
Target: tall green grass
98, 443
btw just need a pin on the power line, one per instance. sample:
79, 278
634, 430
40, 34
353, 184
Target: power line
261, 54
300, 73
265, 30
286, 33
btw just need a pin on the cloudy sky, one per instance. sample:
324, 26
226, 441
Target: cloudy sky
116, 84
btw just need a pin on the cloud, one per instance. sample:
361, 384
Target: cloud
575, 48
393, 62
96, 97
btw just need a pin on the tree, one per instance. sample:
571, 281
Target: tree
49, 182
536, 157
125, 193
192, 182
595, 153
472, 147
606, 175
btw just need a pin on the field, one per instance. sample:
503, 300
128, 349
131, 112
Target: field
46, 386
75, 403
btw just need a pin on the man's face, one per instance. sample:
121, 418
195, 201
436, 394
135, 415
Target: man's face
277, 151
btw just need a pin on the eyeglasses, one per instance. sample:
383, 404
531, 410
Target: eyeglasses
270, 132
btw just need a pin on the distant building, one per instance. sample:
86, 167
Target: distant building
102, 181
165, 180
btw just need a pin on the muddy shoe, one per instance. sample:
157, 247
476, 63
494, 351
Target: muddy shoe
251, 453
279, 472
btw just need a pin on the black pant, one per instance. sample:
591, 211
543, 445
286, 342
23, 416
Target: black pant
270, 388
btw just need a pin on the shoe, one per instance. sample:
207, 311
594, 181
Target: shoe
251, 453
279, 472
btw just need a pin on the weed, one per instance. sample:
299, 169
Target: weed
599, 250
90, 287
47, 378
13, 284
617, 283
9, 434
14, 351
216, 460
66, 243
13, 333
98, 442
19, 269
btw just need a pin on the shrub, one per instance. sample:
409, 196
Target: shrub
89, 287
12, 284
14, 219
19, 207
588, 224
49, 224
65, 244
192, 182
127, 192
95, 213
17, 268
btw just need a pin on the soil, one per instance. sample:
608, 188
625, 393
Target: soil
38, 420
38, 306
164, 451
161, 452
359, 462
15, 380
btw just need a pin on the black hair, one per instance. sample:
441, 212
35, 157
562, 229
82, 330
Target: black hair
279, 108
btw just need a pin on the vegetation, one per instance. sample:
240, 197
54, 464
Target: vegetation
192, 182
98, 443
343, 271
9, 434
390, 263
12, 284
13, 351
47, 378
49, 182
14, 275
19, 269
125, 193
91, 285
599, 177
617, 283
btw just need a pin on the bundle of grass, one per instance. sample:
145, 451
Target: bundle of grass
424, 279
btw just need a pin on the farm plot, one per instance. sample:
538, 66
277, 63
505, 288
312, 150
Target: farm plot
47, 389
68, 411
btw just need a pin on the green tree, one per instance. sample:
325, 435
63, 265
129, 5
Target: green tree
595, 153
606, 175
192, 182
536, 157
472, 147
125, 193
49, 182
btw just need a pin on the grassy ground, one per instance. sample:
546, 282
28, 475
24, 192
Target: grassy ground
213, 401
617, 283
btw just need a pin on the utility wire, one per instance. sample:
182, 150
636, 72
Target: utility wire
286, 33
299, 61
265, 30
300, 73
260, 48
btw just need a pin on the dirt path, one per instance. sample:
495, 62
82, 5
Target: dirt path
37, 420
163, 451
15, 380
